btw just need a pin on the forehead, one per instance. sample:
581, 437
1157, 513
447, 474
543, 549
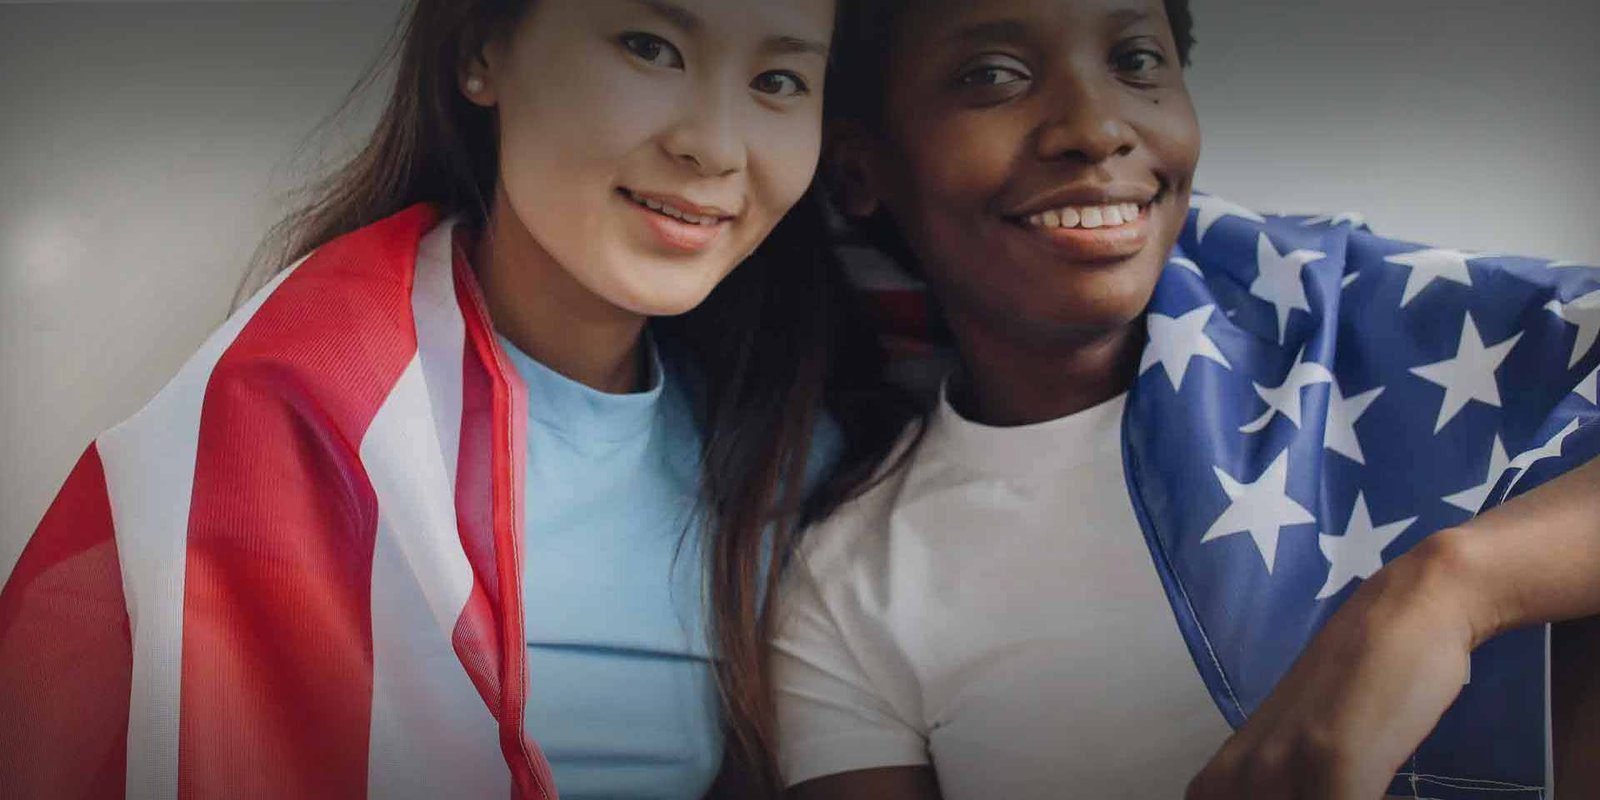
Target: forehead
808, 19
943, 20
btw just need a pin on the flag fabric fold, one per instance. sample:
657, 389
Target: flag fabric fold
1347, 395
293, 573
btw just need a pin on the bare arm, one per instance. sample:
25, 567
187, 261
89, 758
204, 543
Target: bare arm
1536, 558
884, 783
1540, 555
1365, 693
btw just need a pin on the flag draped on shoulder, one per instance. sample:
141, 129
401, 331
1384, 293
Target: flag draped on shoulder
1314, 400
295, 572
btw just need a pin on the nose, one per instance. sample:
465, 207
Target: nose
1087, 125
708, 137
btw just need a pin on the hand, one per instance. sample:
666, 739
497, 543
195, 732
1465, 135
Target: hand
1367, 690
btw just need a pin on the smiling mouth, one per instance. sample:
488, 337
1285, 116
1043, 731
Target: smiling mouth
667, 209
1089, 217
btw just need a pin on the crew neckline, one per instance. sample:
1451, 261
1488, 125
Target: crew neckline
1014, 450
572, 407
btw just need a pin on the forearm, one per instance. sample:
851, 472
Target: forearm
1534, 559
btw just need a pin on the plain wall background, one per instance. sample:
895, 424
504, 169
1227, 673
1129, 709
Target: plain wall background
145, 148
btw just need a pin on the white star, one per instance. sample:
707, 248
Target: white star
1343, 413
1428, 266
1357, 554
1469, 375
1214, 208
1285, 397
1174, 342
1550, 449
1350, 218
1589, 388
1471, 500
1187, 264
1280, 280
1344, 283
1262, 509
1583, 312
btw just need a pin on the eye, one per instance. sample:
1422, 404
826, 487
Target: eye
652, 50
780, 83
993, 71
1141, 62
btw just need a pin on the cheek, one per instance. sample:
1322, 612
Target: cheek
956, 165
592, 112
784, 150
1172, 130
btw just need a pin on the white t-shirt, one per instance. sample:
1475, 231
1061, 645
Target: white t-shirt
992, 609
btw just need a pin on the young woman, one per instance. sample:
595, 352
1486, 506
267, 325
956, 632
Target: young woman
1140, 382
479, 497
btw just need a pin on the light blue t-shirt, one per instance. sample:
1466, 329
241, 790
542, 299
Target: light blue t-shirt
622, 699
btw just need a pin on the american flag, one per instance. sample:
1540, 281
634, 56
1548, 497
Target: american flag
1313, 401
295, 572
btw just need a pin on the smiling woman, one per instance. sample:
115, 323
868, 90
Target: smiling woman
478, 495
1156, 496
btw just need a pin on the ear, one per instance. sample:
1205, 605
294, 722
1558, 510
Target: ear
852, 170
475, 78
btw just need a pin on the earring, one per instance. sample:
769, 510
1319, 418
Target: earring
474, 84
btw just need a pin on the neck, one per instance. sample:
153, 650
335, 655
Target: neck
548, 314
1009, 378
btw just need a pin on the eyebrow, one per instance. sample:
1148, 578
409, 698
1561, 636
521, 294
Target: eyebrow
673, 13
989, 30
1128, 17
689, 22
1016, 30
793, 45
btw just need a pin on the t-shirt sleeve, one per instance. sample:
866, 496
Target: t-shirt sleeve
831, 719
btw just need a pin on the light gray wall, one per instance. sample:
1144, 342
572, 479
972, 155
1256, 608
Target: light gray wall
1468, 123
144, 148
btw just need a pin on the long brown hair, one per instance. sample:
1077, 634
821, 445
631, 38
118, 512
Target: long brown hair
776, 346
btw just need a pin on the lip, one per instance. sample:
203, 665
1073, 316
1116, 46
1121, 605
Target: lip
1093, 245
681, 203
1087, 194
674, 235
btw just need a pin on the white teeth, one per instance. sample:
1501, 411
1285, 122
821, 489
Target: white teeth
1110, 215
675, 213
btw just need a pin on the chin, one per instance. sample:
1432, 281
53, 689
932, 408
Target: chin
1086, 308
654, 297
1079, 321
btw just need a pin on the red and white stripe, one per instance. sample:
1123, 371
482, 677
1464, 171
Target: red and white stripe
293, 574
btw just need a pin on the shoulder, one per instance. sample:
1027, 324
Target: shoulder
349, 301
854, 536
333, 331
272, 410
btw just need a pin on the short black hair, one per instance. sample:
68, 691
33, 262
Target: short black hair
861, 49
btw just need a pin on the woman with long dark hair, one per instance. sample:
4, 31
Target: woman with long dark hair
481, 494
